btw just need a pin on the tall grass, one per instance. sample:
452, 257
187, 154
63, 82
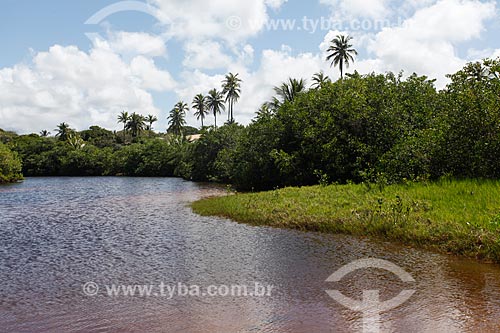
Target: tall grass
461, 217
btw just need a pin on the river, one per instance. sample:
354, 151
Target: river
65, 242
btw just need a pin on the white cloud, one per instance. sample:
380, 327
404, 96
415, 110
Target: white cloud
149, 76
137, 43
376, 9
426, 43
205, 54
82, 89
232, 21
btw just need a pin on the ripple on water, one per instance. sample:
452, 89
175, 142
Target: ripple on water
58, 233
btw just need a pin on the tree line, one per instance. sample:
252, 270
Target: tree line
375, 128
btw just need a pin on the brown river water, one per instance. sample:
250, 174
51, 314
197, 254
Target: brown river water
59, 235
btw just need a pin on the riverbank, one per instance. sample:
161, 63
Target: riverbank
459, 217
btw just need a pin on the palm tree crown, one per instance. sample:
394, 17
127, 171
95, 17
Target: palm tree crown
63, 131
200, 105
320, 80
44, 133
215, 102
289, 90
340, 53
176, 119
231, 88
150, 119
135, 124
123, 118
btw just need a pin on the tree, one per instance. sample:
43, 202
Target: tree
123, 118
200, 105
231, 88
320, 80
44, 133
289, 90
135, 124
215, 102
177, 118
150, 119
99, 137
10, 165
63, 131
340, 53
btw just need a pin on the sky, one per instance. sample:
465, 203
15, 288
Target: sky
84, 61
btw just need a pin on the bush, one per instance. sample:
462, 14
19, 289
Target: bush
10, 165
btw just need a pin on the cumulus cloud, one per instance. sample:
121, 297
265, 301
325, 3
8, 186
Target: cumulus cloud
205, 54
426, 43
137, 43
232, 21
83, 89
376, 9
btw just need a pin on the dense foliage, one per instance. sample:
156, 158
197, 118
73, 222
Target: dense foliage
10, 165
372, 128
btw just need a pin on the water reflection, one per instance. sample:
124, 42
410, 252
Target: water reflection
57, 233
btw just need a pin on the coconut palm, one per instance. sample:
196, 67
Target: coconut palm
320, 80
63, 131
150, 119
200, 105
341, 53
177, 118
44, 133
289, 90
123, 118
215, 103
135, 124
231, 88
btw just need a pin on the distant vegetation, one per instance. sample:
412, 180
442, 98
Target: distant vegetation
10, 165
363, 128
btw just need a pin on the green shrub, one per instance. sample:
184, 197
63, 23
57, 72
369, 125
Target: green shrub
10, 165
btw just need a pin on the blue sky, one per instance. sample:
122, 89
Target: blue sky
51, 71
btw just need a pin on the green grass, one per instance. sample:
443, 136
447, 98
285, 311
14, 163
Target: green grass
460, 217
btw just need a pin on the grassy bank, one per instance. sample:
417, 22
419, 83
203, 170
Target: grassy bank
460, 217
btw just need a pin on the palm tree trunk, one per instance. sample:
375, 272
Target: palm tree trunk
232, 106
341, 69
215, 115
202, 123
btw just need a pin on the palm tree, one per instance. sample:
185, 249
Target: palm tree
265, 112
176, 119
341, 53
231, 88
124, 117
320, 80
135, 124
289, 90
63, 131
200, 105
44, 133
150, 119
215, 103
